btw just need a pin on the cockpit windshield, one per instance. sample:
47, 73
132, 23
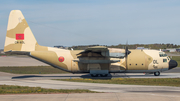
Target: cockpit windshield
162, 54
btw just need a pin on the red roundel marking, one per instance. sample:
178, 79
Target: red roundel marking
61, 59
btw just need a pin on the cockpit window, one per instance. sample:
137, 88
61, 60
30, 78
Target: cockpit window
164, 60
161, 54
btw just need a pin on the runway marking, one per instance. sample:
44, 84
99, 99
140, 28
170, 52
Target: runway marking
66, 97
117, 96
164, 95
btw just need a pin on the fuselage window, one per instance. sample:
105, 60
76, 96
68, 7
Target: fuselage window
161, 54
164, 60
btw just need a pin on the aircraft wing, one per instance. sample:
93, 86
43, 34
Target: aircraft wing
103, 51
100, 54
97, 50
95, 61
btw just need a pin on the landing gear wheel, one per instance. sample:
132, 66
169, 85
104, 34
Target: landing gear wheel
103, 75
94, 75
156, 73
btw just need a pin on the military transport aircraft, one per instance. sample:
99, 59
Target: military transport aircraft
97, 60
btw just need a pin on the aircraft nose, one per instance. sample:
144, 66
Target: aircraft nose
172, 64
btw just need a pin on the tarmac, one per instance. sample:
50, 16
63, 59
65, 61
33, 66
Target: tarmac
9, 61
93, 97
111, 92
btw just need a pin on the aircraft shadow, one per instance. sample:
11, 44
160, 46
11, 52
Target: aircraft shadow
61, 77
89, 77
37, 76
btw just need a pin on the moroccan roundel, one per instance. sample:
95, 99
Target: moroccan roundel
61, 59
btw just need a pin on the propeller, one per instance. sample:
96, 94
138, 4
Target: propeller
127, 52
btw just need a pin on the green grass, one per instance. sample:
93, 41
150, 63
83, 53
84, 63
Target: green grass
132, 81
177, 59
32, 70
9, 89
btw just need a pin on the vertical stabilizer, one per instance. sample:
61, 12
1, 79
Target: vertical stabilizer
19, 36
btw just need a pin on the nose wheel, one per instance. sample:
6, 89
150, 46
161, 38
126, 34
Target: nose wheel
156, 73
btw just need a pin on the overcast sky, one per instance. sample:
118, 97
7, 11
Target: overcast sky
104, 22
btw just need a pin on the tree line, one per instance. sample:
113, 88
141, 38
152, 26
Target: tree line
130, 46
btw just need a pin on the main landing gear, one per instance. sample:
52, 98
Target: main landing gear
156, 73
96, 75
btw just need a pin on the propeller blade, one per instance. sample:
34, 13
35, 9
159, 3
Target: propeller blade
127, 52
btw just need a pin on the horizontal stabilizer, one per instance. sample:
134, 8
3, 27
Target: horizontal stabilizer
17, 52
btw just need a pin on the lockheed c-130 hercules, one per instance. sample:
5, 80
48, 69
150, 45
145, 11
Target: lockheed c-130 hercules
98, 60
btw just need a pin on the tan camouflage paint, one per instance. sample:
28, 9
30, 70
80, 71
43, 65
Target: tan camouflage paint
136, 60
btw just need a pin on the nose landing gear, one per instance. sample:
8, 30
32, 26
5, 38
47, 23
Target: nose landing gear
156, 73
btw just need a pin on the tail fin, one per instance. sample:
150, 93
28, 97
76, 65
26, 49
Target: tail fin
19, 36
